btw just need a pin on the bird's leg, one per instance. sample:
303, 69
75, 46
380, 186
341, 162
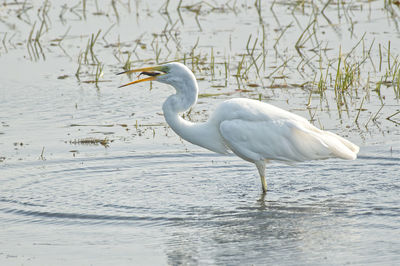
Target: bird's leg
261, 170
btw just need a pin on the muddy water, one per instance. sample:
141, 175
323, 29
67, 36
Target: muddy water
147, 197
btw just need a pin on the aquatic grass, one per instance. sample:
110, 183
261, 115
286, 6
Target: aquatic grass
322, 84
99, 73
157, 51
388, 55
282, 33
41, 156
380, 58
114, 7
192, 53
359, 110
390, 117
33, 44
4, 42
164, 8
321, 73
301, 41
396, 84
128, 64
24, 9
107, 32
344, 74
226, 66
212, 63
80, 58
84, 9
283, 65
250, 53
91, 43
240, 67
377, 113
89, 60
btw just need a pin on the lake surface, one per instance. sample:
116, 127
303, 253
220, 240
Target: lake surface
92, 175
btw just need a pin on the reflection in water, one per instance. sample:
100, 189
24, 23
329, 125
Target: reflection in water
182, 249
267, 232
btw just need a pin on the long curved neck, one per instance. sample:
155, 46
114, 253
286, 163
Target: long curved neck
200, 134
182, 127
185, 97
173, 107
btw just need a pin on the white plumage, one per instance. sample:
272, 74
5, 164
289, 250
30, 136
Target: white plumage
255, 131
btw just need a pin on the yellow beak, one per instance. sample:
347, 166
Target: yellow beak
145, 69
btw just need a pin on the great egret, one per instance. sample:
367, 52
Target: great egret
255, 131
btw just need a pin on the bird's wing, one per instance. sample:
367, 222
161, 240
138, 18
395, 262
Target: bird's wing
279, 139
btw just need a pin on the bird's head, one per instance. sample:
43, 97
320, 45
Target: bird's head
171, 73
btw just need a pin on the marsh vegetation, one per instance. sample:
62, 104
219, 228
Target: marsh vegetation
79, 154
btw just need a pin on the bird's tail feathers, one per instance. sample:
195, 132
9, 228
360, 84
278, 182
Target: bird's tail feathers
351, 146
332, 145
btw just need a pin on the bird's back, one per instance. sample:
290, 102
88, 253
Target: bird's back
252, 110
259, 131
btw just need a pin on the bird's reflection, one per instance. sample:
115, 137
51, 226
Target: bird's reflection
261, 201
261, 230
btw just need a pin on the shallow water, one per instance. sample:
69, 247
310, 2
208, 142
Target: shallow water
199, 208
150, 198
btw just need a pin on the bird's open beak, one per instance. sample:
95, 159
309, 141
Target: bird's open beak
152, 72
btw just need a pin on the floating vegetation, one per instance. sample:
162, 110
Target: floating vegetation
91, 141
62, 77
92, 125
206, 95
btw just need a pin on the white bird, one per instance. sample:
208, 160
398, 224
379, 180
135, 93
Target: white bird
255, 131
